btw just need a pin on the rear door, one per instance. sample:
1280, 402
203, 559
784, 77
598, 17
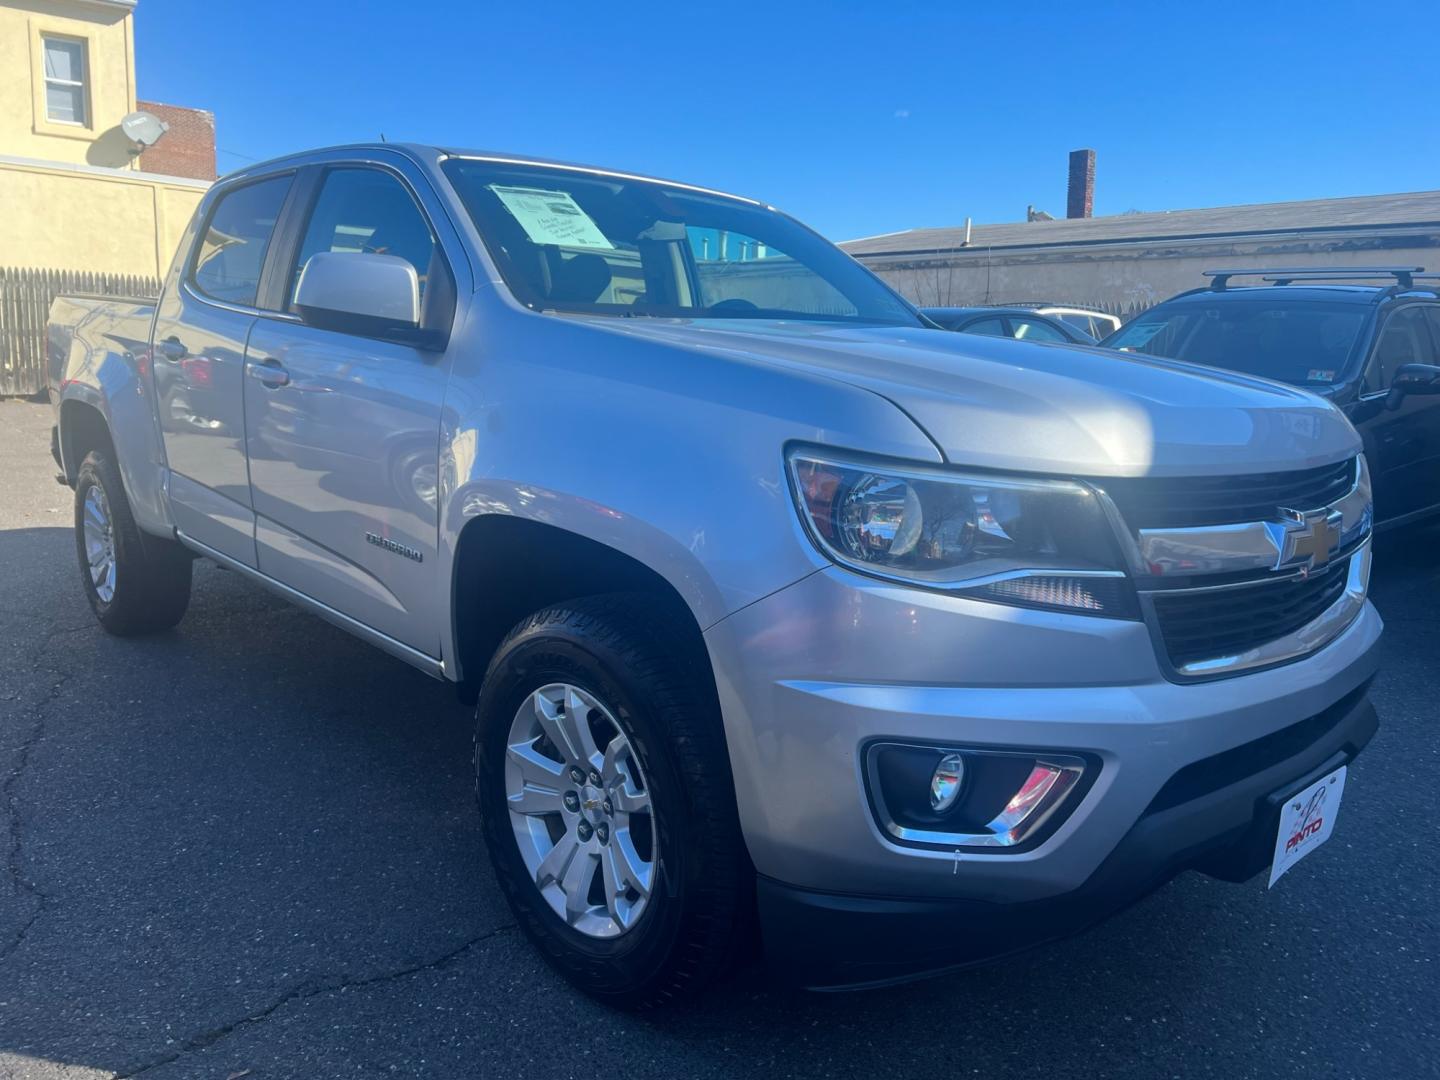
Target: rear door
1402, 445
344, 453
201, 329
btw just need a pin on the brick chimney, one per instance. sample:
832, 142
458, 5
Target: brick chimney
1080, 199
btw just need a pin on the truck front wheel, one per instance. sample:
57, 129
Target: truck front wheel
607, 804
136, 584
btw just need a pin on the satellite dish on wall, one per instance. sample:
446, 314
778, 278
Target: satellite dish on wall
143, 128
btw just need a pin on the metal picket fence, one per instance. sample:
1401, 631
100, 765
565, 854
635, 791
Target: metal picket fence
25, 296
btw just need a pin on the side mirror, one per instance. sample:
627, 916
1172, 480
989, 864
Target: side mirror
1412, 379
358, 293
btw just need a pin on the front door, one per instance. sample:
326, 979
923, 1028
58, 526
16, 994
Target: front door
343, 432
1402, 445
201, 330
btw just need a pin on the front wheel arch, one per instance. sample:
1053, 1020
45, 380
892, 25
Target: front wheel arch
507, 568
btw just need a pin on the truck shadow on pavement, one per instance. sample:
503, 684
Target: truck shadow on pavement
250, 844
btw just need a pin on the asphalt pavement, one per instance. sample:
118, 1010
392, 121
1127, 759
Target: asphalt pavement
248, 848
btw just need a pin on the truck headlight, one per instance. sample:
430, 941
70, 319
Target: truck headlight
1009, 539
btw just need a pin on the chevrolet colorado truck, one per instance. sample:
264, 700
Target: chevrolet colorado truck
786, 616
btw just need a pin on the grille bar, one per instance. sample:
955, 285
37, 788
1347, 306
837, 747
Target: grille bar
1182, 502
1201, 625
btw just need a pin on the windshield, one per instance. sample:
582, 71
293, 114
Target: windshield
566, 240
1306, 343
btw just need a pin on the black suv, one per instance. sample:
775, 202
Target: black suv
1374, 350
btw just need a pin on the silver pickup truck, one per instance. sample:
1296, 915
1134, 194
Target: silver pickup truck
786, 615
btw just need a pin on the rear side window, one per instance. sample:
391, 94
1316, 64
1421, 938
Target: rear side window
1034, 330
231, 253
989, 327
366, 211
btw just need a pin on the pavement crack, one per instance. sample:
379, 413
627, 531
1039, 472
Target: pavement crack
303, 992
14, 857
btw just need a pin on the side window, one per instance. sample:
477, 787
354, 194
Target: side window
1432, 315
992, 327
231, 252
1034, 330
1404, 340
366, 211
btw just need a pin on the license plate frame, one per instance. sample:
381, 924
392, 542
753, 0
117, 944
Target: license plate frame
1307, 820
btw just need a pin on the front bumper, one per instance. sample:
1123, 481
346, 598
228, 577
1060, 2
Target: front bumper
810, 675
839, 941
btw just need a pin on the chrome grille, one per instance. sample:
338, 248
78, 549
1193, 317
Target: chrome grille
1239, 572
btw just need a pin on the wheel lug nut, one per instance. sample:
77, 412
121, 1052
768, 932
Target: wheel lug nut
607, 807
577, 774
595, 779
603, 832
572, 801
585, 830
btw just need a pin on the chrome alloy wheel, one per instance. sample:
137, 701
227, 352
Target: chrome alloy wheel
580, 810
100, 543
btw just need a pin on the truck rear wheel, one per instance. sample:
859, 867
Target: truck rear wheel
607, 803
136, 584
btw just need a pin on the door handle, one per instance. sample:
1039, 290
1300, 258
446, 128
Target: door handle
172, 349
269, 373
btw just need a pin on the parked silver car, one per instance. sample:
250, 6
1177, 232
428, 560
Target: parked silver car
921, 646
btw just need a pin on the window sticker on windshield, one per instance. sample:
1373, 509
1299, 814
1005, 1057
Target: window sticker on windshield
551, 217
1316, 374
1139, 336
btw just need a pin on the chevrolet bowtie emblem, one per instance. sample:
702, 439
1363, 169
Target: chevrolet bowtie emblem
1304, 541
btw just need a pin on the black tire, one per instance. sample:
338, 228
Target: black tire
152, 575
626, 652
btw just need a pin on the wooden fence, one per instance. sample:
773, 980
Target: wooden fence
25, 297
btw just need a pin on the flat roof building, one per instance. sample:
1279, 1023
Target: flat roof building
1127, 262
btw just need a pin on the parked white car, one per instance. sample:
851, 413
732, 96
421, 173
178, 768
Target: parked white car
1095, 323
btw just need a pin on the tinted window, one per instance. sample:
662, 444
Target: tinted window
993, 327
1433, 314
232, 250
567, 240
1404, 340
1300, 342
370, 212
1034, 330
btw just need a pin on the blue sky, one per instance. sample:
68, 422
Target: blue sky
859, 118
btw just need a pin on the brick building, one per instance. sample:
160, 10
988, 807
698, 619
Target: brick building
188, 148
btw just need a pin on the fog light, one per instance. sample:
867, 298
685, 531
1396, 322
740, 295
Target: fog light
945, 783
976, 799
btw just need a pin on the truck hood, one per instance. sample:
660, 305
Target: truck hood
1034, 407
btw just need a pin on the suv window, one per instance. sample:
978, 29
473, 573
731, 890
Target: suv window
1404, 340
369, 211
231, 253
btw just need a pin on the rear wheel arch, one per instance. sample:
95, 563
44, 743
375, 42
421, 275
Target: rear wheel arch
83, 428
507, 568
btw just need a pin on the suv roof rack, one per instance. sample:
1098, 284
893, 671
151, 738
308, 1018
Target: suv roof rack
1285, 275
